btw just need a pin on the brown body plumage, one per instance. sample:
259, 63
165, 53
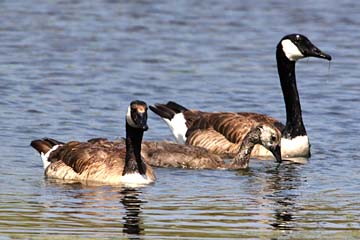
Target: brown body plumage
166, 154
223, 133
99, 160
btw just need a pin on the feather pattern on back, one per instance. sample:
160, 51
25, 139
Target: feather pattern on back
96, 160
222, 133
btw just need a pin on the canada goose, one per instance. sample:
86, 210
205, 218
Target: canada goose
100, 161
195, 127
167, 154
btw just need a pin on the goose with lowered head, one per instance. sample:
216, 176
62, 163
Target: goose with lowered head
167, 154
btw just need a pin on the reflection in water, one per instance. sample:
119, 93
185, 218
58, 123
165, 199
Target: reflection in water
93, 203
283, 181
132, 205
276, 191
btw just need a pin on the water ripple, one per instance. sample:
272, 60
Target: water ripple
70, 68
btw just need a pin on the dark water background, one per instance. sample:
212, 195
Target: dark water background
68, 70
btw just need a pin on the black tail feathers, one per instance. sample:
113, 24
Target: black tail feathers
167, 110
176, 107
44, 145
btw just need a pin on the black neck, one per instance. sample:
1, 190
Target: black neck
133, 160
286, 69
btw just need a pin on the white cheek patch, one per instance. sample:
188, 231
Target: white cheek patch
129, 120
178, 127
296, 147
45, 156
291, 50
266, 133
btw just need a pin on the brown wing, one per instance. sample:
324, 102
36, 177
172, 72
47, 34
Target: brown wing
262, 118
192, 116
223, 132
234, 127
87, 156
213, 141
195, 119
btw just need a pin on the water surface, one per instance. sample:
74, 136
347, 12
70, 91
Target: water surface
68, 70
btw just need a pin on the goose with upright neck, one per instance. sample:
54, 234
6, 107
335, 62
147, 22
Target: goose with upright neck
227, 129
100, 161
290, 49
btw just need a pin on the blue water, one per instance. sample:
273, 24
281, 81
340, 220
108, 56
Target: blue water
68, 70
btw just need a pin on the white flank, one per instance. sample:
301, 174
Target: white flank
296, 147
129, 120
45, 156
135, 178
291, 50
178, 127
290, 148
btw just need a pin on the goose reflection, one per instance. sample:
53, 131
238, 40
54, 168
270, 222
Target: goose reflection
276, 190
91, 205
132, 204
282, 185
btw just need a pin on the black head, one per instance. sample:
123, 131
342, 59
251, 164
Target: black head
297, 46
136, 115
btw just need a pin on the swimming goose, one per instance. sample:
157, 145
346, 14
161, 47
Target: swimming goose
218, 131
101, 161
167, 154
